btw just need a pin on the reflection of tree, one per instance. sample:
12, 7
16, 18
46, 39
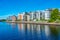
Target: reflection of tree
54, 32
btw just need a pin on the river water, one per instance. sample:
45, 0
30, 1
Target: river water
13, 31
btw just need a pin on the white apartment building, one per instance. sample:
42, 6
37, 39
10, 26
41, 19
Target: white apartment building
42, 14
31, 15
28, 17
37, 15
47, 14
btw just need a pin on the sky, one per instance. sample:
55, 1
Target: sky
13, 7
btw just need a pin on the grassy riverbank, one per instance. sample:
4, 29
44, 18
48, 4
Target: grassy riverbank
34, 22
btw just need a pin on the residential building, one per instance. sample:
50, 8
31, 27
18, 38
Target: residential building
13, 18
47, 14
37, 15
42, 15
26, 17
9, 18
31, 14
20, 16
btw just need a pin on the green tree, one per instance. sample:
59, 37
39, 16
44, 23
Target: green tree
59, 16
2, 20
54, 15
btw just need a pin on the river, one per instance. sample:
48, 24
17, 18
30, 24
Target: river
13, 31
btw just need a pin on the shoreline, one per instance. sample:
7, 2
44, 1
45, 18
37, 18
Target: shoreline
33, 22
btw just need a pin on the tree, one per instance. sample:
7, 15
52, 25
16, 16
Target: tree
2, 20
54, 15
59, 16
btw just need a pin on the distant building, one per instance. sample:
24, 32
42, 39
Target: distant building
47, 14
37, 15
42, 17
26, 17
31, 14
13, 18
20, 16
9, 18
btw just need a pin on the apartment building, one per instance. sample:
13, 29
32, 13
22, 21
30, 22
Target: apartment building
13, 18
26, 16
20, 16
31, 14
47, 14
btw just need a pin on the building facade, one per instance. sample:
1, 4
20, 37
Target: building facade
20, 16
37, 15
47, 14
13, 18
31, 14
26, 17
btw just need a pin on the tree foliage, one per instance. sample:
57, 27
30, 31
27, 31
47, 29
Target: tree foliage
54, 15
2, 20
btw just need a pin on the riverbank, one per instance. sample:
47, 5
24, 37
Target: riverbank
31, 22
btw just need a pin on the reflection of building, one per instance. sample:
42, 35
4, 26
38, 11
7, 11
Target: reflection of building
32, 26
13, 25
20, 27
47, 31
38, 28
28, 26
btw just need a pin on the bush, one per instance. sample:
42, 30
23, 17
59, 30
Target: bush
51, 20
57, 21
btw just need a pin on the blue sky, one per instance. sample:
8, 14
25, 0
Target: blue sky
10, 7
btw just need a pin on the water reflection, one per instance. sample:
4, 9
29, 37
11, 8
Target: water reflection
37, 32
54, 33
13, 25
20, 27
